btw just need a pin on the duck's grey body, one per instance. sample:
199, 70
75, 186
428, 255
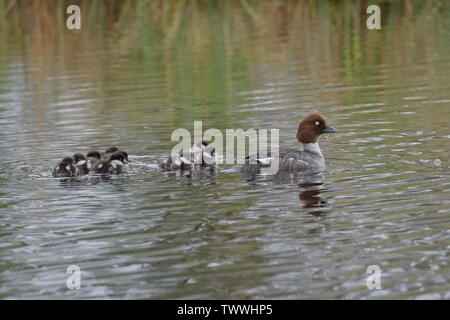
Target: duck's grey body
290, 160
308, 158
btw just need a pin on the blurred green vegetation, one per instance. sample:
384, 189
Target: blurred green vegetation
202, 50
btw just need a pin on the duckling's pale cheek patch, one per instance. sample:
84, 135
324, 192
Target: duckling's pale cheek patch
116, 163
68, 168
209, 159
198, 158
264, 161
81, 162
177, 161
184, 160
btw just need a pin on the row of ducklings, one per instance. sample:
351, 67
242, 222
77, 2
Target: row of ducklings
202, 153
111, 161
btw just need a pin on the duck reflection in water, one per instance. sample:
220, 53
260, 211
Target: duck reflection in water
312, 199
193, 176
311, 186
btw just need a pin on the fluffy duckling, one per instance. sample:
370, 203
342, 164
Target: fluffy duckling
202, 153
115, 164
109, 151
93, 157
65, 168
178, 162
81, 163
119, 160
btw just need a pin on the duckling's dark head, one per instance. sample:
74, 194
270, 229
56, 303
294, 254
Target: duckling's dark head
118, 155
111, 149
67, 160
78, 157
125, 155
94, 154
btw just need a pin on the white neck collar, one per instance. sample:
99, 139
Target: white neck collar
312, 147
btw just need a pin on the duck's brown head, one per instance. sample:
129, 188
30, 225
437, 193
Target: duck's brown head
312, 127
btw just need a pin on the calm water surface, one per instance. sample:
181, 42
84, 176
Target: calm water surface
384, 199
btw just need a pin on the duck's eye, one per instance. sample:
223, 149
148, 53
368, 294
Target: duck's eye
317, 123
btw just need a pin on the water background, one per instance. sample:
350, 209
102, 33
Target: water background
132, 77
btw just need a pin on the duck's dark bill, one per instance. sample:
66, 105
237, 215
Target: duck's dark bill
329, 129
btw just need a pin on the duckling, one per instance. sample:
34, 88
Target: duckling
202, 153
178, 162
93, 157
115, 164
118, 161
109, 151
65, 168
206, 152
81, 163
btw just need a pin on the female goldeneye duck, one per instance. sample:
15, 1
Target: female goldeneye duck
202, 153
93, 157
81, 163
65, 168
308, 158
115, 164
